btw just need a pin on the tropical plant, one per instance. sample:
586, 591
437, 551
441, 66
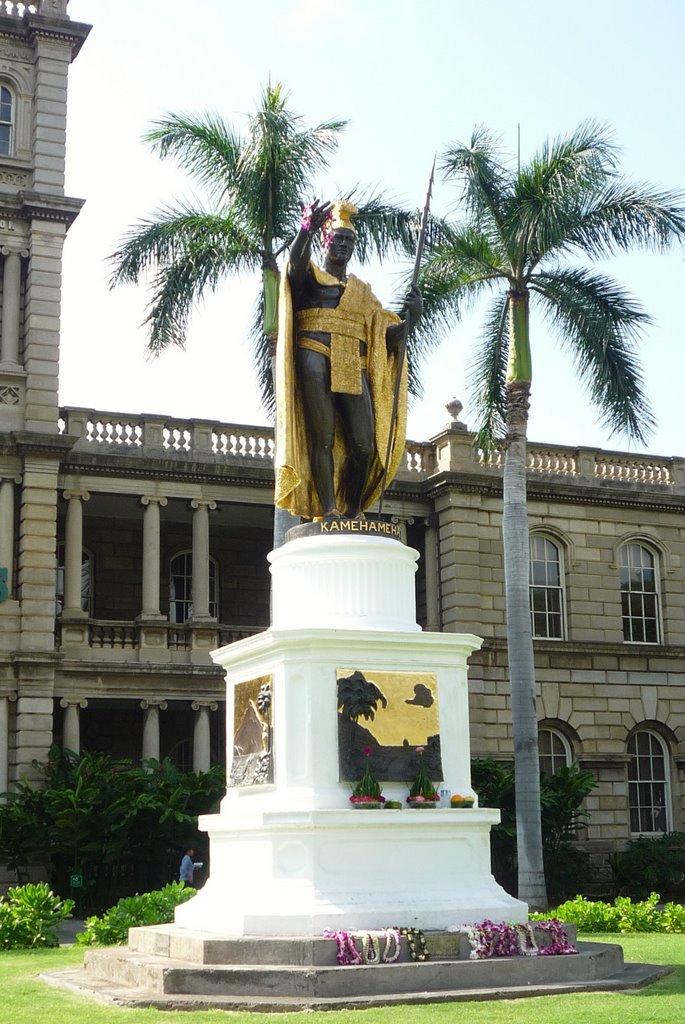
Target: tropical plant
257, 185
649, 863
120, 826
30, 916
522, 227
566, 863
148, 908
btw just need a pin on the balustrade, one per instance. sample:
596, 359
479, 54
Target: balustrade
18, 10
149, 435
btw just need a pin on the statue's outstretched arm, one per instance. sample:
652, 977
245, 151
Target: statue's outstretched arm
301, 249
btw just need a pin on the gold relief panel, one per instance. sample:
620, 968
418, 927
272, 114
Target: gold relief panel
252, 763
390, 713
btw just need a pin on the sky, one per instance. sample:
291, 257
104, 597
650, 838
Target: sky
412, 77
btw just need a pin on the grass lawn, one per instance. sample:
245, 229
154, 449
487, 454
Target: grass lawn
24, 999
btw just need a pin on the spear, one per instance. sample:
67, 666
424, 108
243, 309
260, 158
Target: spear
402, 347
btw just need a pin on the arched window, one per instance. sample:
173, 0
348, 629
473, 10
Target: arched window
6, 121
554, 751
648, 783
86, 582
546, 588
181, 587
639, 594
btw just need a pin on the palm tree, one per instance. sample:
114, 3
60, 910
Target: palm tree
522, 227
256, 185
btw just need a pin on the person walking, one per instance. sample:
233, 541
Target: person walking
187, 867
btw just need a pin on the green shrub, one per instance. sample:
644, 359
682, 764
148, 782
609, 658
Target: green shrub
111, 928
567, 865
621, 916
649, 864
121, 826
30, 916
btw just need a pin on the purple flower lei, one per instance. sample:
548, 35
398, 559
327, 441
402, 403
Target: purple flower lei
347, 951
488, 939
326, 230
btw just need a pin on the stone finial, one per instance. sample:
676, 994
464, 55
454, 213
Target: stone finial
454, 408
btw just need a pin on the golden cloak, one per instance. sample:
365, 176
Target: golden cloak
295, 489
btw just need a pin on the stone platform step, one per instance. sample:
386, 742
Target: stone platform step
168, 967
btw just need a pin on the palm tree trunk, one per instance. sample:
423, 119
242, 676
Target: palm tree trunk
531, 875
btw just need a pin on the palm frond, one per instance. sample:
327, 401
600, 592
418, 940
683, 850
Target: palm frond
179, 284
178, 233
552, 190
485, 179
261, 356
383, 227
277, 163
600, 323
207, 147
449, 287
488, 376
622, 216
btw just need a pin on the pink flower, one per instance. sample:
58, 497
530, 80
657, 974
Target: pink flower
367, 751
420, 750
306, 221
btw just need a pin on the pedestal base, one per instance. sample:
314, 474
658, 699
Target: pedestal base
299, 873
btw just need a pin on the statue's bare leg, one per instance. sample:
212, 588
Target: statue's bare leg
314, 375
356, 413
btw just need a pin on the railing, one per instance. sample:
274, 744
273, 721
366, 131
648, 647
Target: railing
638, 470
18, 10
115, 634
149, 436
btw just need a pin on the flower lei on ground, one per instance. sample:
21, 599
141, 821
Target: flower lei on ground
488, 939
422, 789
378, 945
416, 941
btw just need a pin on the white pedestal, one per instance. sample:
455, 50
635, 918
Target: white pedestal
294, 857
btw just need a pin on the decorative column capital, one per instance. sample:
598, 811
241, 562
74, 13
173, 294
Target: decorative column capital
80, 495
198, 705
154, 705
153, 499
209, 504
9, 479
23, 253
73, 702
11, 696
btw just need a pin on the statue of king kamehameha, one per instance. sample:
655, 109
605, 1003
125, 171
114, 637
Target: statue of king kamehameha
336, 371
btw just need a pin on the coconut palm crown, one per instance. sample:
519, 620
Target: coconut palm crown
529, 235
256, 185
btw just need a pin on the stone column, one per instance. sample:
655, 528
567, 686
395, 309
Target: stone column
7, 535
11, 307
200, 582
151, 709
201, 741
433, 582
151, 552
4, 740
73, 554
71, 726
